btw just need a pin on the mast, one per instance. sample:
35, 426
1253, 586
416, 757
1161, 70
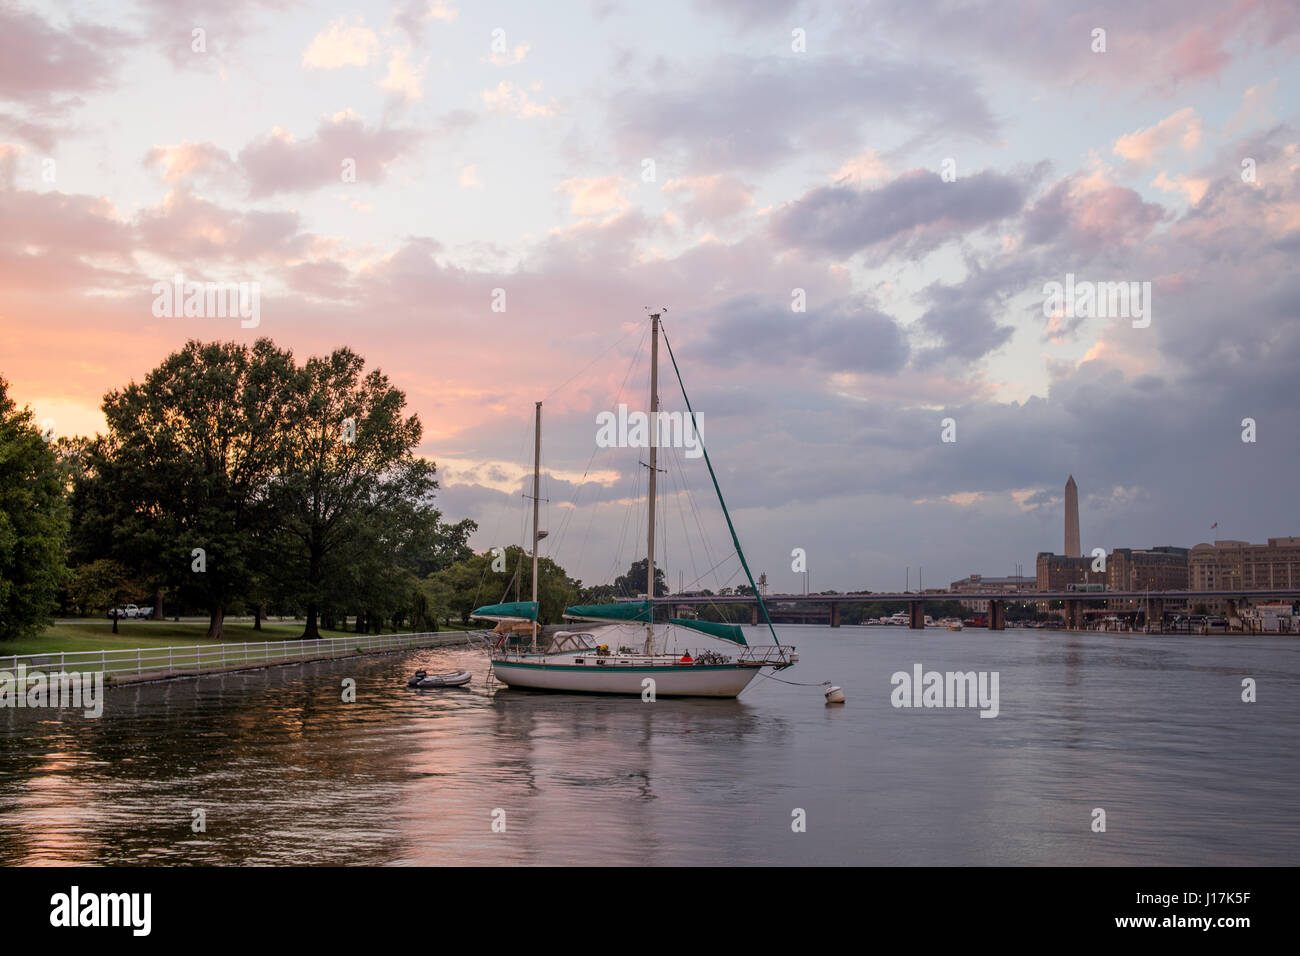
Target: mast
537, 473
654, 462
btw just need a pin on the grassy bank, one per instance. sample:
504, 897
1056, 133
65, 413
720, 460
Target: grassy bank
97, 634
94, 634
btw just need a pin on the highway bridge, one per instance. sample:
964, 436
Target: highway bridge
1152, 602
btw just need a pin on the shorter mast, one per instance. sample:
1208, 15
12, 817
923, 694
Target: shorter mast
537, 473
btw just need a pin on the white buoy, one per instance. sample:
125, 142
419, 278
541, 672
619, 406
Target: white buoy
834, 695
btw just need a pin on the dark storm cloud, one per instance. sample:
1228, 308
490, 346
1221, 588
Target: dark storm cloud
758, 112
918, 210
842, 337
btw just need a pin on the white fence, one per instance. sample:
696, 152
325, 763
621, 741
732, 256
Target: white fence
200, 658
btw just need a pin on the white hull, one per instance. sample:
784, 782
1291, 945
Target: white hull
671, 681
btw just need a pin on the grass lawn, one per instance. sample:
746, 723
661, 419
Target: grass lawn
93, 634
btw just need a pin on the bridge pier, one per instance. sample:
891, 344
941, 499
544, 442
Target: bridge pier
916, 614
997, 616
835, 614
1073, 615
1155, 608
753, 617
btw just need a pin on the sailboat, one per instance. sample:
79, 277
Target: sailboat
620, 648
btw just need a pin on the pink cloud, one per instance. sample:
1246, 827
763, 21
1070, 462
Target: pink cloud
597, 196
1181, 129
185, 228
712, 199
279, 163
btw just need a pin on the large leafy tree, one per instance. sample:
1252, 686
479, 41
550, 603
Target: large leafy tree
184, 470
353, 494
33, 522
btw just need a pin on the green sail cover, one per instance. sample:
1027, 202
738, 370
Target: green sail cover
625, 611
513, 611
728, 632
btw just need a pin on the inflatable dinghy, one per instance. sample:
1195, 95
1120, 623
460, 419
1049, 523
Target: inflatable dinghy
453, 679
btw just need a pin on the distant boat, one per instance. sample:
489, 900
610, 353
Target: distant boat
620, 648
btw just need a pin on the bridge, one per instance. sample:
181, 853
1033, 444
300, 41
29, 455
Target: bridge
1153, 602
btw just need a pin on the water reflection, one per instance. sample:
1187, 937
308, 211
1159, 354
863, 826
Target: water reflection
286, 772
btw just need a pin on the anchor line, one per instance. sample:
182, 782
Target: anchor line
795, 683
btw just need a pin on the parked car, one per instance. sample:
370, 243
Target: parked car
146, 613
125, 610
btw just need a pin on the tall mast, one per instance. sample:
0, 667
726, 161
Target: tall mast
654, 462
537, 474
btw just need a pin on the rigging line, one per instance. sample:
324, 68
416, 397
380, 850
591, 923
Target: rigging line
700, 578
619, 341
681, 513
596, 450
795, 683
718, 582
684, 493
501, 517
699, 523
734, 538
628, 515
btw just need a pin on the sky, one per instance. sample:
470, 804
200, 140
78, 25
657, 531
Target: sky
850, 213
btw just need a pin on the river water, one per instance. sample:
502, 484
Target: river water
1152, 730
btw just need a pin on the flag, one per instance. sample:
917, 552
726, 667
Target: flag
1213, 526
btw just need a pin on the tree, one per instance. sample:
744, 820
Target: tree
599, 594
633, 583
184, 469
100, 585
33, 522
352, 493
466, 585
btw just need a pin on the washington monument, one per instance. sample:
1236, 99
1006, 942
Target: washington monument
1072, 547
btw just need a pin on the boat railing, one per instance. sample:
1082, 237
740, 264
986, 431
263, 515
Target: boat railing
768, 655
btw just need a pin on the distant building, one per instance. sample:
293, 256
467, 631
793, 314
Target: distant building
1151, 569
1228, 565
1059, 572
1073, 547
977, 583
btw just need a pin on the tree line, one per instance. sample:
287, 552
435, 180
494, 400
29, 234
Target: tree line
232, 476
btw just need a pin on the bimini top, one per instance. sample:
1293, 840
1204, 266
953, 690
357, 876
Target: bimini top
512, 611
